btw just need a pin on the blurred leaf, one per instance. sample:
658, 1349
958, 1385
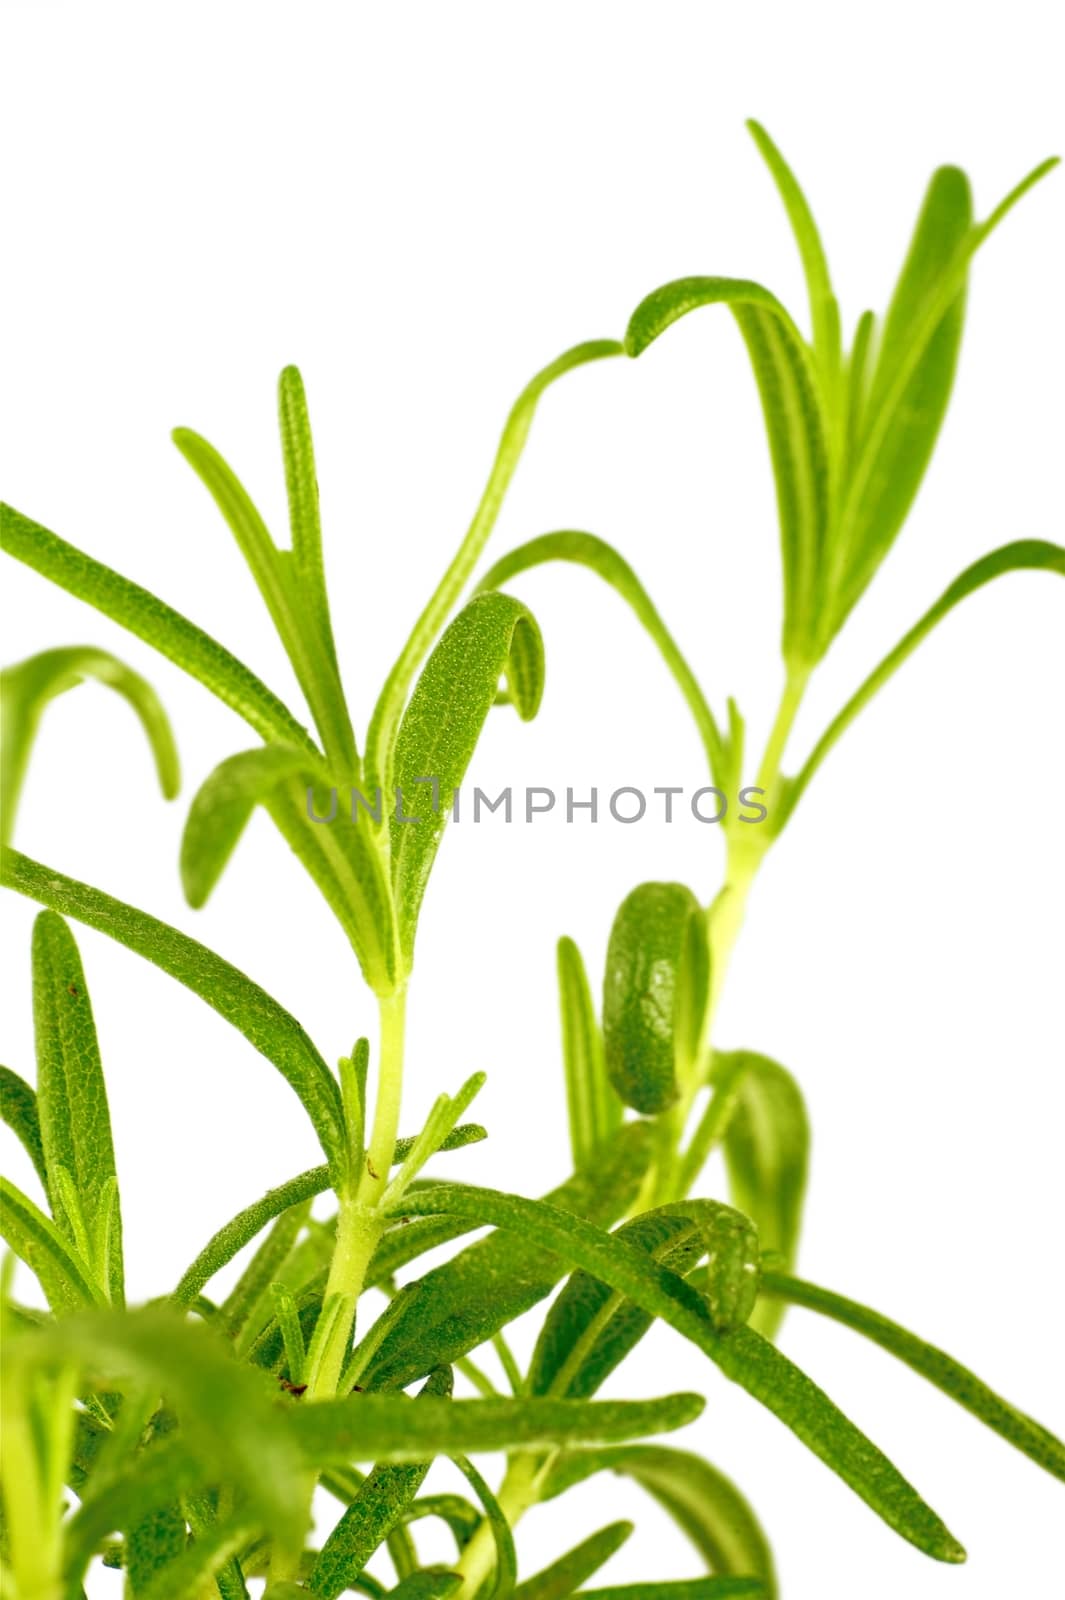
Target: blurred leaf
153, 621
187, 1575
742, 1355
564, 1576
654, 993
684, 1589
265, 1024
702, 1501
795, 423
156, 1541
767, 1150
1025, 1434
492, 637
375, 1511
593, 1105
427, 1585
72, 1100
589, 1330
27, 688
465, 1301
18, 1108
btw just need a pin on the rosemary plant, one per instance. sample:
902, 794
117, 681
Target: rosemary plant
195, 1431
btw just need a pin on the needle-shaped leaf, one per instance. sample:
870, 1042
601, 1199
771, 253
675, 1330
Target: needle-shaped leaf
794, 417
957, 1381
72, 1099
466, 1133
227, 1413
590, 1329
824, 311
506, 1556
389, 708
388, 1428
301, 482
27, 688
241, 1229
493, 636
767, 1149
273, 1031
592, 1102
462, 1303
743, 1355
18, 1108
654, 993
153, 621
225, 801
565, 1576
702, 1501
247, 1306
66, 1279
586, 550
375, 1511
1034, 555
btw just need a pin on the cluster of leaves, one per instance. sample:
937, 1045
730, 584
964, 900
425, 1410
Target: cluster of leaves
194, 1431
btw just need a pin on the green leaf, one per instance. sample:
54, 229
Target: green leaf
702, 1501
392, 1428
27, 688
506, 1556
152, 1545
742, 1355
301, 482
247, 1306
494, 636
72, 1100
376, 1510
824, 311
228, 1414
67, 1282
462, 1303
795, 423
1023, 555
427, 1585
187, 1576
585, 549
767, 1149
466, 1133
593, 1106
223, 804
590, 1330
1026, 1435
684, 1589
265, 1024
654, 994
165, 629
230, 1240
564, 1576
139, 1494
389, 708
18, 1108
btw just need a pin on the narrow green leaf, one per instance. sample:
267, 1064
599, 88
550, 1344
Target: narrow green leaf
565, 1576
654, 993
824, 312
389, 708
767, 1150
795, 424
702, 1501
684, 1589
590, 1330
586, 550
466, 1133
225, 801
265, 1024
592, 1102
1026, 1435
506, 1563
376, 1510
301, 482
387, 1428
238, 1232
66, 1280
742, 1355
141, 1492
245, 1309
291, 1331
71, 1095
494, 636
1023, 555
459, 1515
18, 1108
152, 1544
427, 1585
465, 1301
228, 1414
202, 1559
27, 688
153, 621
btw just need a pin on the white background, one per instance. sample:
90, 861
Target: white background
421, 205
